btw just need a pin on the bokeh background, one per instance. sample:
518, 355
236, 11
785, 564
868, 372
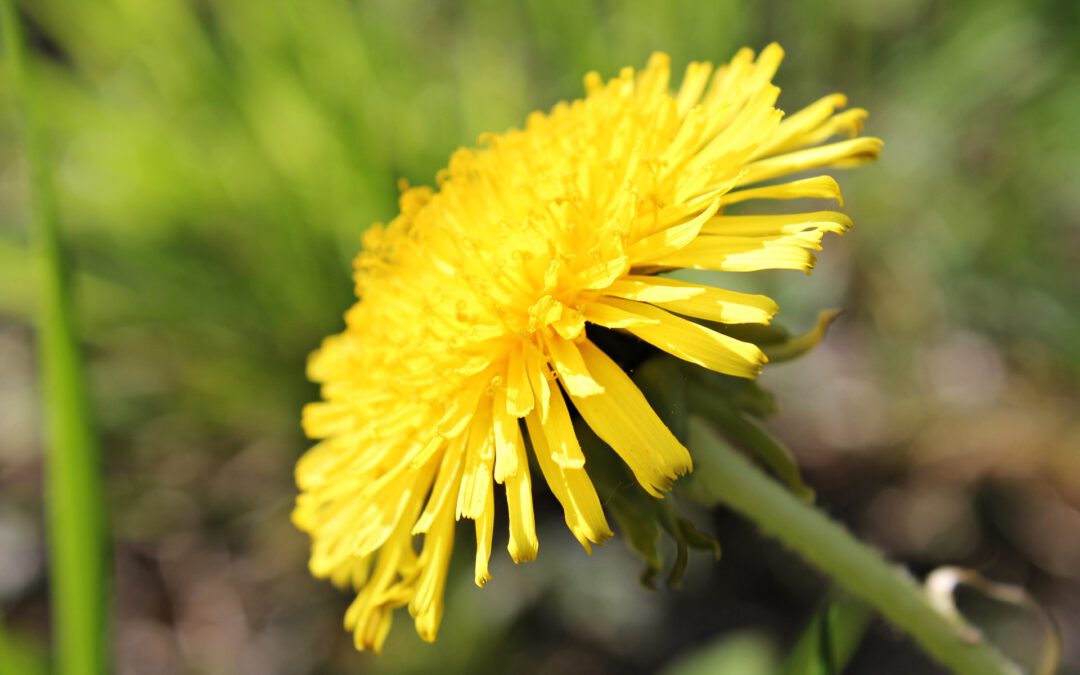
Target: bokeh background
217, 161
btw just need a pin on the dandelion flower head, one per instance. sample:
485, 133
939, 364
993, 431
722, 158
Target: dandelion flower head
469, 337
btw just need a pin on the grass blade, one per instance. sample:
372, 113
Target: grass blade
73, 482
831, 638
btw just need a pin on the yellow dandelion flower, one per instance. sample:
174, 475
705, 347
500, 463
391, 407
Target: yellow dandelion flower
470, 331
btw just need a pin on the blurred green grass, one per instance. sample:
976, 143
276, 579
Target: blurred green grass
74, 485
217, 161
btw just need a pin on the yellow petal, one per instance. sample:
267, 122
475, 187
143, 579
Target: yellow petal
703, 302
331, 552
653, 81
387, 503
570, 325
724, 306
507, 438
818, 187
572, 487
653, 289
353, 574
370, 623
322, 461
843, 154
571, 368
485, 528
768, 61
523, 543
609, 316
747, 254
537, 371
559, 434
461, 409
476, 477
771, 226
792, 128
426, 606
693, 84
672, 238
692, 342
602, 274
848, 123
369, 616
728, 78
625, 421
754, 123
447, 485
519, 397
421, 450
325, 419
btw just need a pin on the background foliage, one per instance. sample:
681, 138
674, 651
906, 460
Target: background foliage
217, 161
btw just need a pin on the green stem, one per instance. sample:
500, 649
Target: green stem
724, 476
74, 491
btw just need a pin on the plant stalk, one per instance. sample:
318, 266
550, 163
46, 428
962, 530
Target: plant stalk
724, 476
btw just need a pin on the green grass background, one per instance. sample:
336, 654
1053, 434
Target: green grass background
217, 160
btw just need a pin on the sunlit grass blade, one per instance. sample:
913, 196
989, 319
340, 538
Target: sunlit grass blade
73, 481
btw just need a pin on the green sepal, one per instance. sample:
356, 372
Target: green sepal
640, 516
686, 536
746, 396
747, 434
661, 380
777, 341
796, 346
634, 510
759, 334
636, 518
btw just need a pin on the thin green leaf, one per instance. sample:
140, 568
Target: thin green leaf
831, 638
73, 481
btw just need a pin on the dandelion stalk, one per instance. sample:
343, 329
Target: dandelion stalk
74, 491
725, 477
